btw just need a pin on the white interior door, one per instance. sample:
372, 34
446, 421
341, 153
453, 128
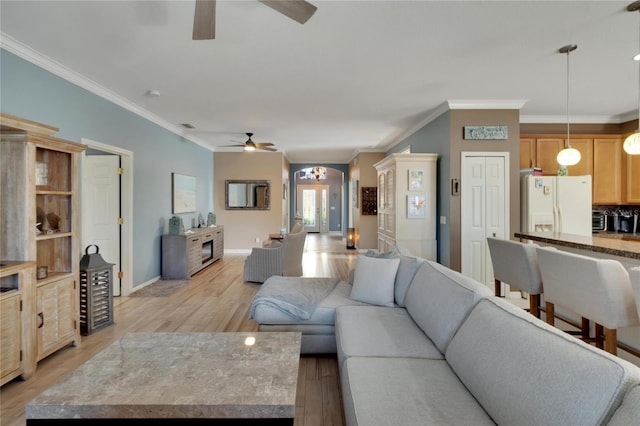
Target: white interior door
313, 201
484, 210
101, 195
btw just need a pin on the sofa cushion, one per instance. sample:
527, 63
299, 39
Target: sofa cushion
406, 271
374, 280
381, 332
405, 391
629, 412
439, 299
519, 367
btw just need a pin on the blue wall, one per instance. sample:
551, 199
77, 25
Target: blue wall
30, 92
435, 138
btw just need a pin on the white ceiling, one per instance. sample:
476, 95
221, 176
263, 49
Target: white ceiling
357, 75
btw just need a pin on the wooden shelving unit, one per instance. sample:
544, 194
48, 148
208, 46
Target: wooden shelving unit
40, 225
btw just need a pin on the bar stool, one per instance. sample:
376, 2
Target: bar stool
597, 289
517, 264
634, 276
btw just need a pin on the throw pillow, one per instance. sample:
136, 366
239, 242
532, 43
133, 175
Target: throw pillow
406, 270
380, 255
374, 280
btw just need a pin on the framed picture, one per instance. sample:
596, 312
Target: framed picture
416, 180
416, 207
183, 190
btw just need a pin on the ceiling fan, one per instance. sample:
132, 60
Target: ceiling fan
250, 145
204, 20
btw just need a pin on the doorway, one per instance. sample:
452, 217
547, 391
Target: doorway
107, 209
484, 210
313, 201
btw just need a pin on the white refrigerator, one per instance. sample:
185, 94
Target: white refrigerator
556, 204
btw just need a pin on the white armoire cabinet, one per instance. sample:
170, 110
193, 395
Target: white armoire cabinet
407, 203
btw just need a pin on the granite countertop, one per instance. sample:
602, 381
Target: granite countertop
615, 244
180, 375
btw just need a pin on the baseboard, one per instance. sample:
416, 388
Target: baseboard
144, 284
237, 251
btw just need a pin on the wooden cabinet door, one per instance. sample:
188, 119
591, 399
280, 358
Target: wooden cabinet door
56, 312
585, 166
10, 335
547, 150
527, 153
607, 171
632, 175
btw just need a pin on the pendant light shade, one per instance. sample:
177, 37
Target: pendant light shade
568, 156
632, 142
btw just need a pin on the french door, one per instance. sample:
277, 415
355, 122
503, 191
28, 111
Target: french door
313, 201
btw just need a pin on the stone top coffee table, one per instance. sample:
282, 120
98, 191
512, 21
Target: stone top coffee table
190, 376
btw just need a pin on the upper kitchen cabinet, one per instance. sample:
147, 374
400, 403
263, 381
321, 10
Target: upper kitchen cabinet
527, 153
585, 165
607, 171
631, 183
547, 150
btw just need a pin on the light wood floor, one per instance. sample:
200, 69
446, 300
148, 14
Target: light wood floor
216, 300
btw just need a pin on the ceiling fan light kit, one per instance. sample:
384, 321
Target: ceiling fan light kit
250, 145
204, 18
632, 143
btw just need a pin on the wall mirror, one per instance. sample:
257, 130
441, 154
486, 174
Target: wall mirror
247, 194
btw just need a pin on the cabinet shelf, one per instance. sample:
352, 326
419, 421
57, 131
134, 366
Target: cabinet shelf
52, 277
49, 192
53, 236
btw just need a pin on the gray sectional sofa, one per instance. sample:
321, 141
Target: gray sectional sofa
449, 353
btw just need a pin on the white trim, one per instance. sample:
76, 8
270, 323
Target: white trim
582, 119
144, 284
126, 158
486, 103
237, 251
12, 45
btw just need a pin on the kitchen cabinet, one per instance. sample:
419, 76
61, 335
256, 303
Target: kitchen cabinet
607, 171
631, 179
616, 177
585, 165
547, 150
407, 203
527, 153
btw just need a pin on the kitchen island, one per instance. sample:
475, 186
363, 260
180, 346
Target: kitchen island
624, 248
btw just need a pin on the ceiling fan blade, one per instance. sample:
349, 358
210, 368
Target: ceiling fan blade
204, 20
234, 146
266, 148
298, 10
261, 144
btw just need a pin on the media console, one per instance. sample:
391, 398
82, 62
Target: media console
185, 254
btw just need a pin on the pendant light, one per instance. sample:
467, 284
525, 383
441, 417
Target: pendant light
568, 156
632, 142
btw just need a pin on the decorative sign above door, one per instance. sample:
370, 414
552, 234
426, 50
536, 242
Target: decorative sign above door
486, 132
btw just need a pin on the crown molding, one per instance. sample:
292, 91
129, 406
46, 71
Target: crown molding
579, 119
27, 53
486, 103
